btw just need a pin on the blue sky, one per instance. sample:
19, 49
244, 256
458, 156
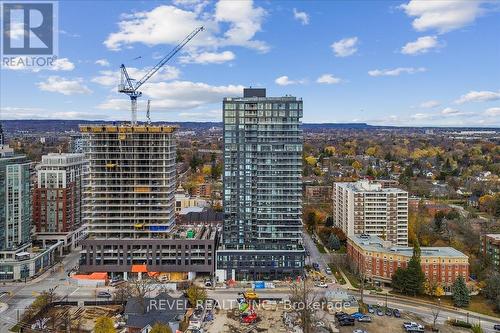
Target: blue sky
381, 62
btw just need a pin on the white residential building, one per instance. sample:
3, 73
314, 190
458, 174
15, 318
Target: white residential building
365, 207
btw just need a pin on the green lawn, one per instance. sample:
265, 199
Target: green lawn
336, 273
352, 278
321, 248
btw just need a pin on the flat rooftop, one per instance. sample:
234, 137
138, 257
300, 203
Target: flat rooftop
377, 244
493, 236
127, 128
367, 186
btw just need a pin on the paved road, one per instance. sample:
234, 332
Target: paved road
314, 255
21, 295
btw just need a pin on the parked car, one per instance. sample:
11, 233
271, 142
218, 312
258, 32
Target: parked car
496, 327
380, 312
357, 315
103, 294
388, 312
208, 283
359, 331
321, 285
413, 327
316, 266
396, 313
320, 324
340, 314
209, 304
328, 271
371, 309
347, 322
365, 319
116, 282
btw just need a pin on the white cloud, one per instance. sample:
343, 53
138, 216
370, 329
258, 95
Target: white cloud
40, 113
442, 15
396, 71
177, 95
60, 64
303, 17
420, 116
208, 57
285, 81
450, 111
64, 86
232, 23
112, 77
345, 47
429, 104
16, 30
478, 96
244, 20
493, 112
210, 115
421, 45
328, 79
102, 62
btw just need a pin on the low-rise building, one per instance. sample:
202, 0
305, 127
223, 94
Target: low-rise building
490, 245
378, 260
183, 252
141, 314
318, 193
203, 190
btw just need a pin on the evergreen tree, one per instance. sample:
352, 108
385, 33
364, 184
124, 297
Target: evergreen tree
461, 295
334, 242
412, 279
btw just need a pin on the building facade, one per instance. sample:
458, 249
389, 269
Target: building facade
15, 199
366, 207
129, 194
57, 199
490, 246
18, 260
378, 260
262, 232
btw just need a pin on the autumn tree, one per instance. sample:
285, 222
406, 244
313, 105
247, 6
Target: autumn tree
104, 325
196, 294
160, 328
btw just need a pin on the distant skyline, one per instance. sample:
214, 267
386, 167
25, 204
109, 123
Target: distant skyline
401, 63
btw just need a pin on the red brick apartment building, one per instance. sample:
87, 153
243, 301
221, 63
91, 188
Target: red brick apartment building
378, 260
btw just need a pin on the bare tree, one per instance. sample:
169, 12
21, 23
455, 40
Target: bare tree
140, 289
302, 296
435, 310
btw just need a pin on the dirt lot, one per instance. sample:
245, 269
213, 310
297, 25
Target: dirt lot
393, 325
270, 321
81, 319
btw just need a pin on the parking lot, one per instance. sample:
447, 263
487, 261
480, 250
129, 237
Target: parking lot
384, 324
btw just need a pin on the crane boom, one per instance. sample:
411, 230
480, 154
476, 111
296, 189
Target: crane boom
169, 56
127, 85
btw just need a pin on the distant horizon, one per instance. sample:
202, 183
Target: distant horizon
220, 122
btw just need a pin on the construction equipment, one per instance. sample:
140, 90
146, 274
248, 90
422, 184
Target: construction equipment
130, 86
148, 116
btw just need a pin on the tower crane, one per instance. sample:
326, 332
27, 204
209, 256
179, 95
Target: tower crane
148, 116
131, 87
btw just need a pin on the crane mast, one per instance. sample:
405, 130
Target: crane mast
130, 87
